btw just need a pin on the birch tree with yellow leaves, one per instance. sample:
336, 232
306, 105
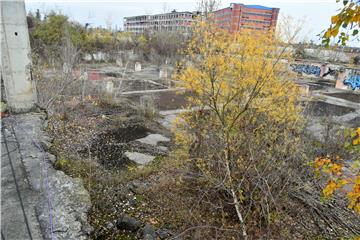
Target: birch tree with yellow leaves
242, 127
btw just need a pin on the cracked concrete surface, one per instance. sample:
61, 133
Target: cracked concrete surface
38, 182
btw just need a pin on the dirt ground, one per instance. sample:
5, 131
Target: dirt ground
90, 139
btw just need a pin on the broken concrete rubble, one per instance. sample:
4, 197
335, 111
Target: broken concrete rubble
126, 222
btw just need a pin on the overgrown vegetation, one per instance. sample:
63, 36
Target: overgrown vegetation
242, 167
342, 175
47, 33
244, 138
345, 24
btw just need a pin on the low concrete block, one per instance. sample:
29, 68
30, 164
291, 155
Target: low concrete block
137, 67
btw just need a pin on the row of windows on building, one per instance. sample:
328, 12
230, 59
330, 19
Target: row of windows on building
264, 22
159, 17
183, 15
259, 14
225, 14
252, 27
268, 23
141, 29
159, 23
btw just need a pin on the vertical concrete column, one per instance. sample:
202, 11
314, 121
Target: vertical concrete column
163, 73
323, 69
340, 79
109, 88
137, 67
119, 61
15, 56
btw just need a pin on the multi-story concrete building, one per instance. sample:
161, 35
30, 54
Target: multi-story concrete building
239, 16
174, 21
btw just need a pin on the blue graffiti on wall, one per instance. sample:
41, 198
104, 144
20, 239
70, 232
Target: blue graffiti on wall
304, 68
353, 80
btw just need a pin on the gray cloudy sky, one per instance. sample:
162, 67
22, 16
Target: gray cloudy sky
317, 12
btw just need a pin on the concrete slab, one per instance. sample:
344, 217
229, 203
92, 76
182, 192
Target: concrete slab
139, 158
153, 139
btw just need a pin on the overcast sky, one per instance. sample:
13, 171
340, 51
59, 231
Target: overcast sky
100, 13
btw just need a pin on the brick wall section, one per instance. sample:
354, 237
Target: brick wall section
239, 16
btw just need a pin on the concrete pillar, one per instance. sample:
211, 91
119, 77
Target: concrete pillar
15, 56
137, 67
305, 90
109, 88
163, 73
340, 79
119, 61
323, 69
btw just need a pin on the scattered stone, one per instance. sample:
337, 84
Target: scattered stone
128, 223
87, 228
137, 187
139, 158
149, 232
109, 225
163, 148
46, 142
133, 186
164, 233
52, 158
132, 202
153, 139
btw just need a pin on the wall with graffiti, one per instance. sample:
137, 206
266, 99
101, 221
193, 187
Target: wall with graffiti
306, 68
353, 80
345, 77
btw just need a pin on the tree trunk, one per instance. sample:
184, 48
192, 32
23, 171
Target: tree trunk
237, 207
233, 193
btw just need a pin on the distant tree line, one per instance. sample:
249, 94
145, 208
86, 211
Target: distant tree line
49, 31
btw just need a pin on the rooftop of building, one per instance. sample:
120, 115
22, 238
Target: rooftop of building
259, 7
252, 6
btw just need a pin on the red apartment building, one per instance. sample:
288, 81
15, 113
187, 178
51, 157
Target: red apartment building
240, 16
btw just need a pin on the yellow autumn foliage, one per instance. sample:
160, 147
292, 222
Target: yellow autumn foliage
233, 72
330, 188
243, 114
354, 196
348, 19
337, 181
